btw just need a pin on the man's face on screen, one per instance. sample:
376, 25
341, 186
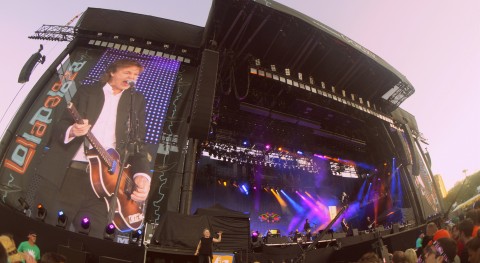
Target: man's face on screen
120, 78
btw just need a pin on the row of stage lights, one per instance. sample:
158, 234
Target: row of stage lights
144, 51
365, 106
62, 221
266, 155
246, 188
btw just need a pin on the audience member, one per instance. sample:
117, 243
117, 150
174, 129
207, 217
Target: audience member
399, 257
442, 250
3, 255
429, 233
369, 257
473, 248
441, 233
418, 243
30, 247
465, 234
9, 245
411, 255
474, 215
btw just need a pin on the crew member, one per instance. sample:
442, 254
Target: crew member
205, 246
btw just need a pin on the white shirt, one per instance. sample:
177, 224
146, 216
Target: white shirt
104, 128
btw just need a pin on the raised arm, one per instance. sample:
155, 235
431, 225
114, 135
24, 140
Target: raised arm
198, 247
219, 239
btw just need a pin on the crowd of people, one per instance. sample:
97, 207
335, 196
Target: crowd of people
455, 241
27, 251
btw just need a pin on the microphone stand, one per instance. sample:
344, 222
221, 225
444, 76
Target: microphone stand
131, 147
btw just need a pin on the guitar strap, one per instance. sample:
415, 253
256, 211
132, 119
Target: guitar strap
86, 146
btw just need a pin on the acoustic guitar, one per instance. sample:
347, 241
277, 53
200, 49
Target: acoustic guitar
104, 172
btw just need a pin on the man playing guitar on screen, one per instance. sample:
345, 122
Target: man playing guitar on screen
105, 110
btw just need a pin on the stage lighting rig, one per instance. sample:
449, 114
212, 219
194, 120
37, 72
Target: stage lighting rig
109, 232
136, 237
85, 226
62, 219
23, 204
41, 212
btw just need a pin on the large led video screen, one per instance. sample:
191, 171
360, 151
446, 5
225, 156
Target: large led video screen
82, 78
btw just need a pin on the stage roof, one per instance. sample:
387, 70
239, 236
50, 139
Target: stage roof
280, 36
140, 26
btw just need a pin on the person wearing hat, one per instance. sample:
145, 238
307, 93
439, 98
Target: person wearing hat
30, 247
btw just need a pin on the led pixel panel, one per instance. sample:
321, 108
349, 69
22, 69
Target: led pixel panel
156, 83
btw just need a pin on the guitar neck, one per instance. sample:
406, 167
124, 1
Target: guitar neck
91, 138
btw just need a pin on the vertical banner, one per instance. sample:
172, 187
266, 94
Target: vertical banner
169, 164
33, 135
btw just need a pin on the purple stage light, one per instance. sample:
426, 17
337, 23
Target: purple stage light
85, 223
109, 231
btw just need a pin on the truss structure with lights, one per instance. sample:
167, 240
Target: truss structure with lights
55, 33
277, 158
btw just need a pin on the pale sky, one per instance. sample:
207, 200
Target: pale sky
434, 43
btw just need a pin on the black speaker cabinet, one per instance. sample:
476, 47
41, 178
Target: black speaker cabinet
112, 260
204, 95
73, 255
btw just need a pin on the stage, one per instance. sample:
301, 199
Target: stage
256, 122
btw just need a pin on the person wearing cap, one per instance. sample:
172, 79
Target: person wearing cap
30, 247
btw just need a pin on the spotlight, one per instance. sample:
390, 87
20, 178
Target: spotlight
23, 203
257, 62
109, 231
244, 188
41, 212
85, 226
254, 236
287, 71
62, 219
273, 68
136, 236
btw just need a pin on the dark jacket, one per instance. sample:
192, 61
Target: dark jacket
89, 102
